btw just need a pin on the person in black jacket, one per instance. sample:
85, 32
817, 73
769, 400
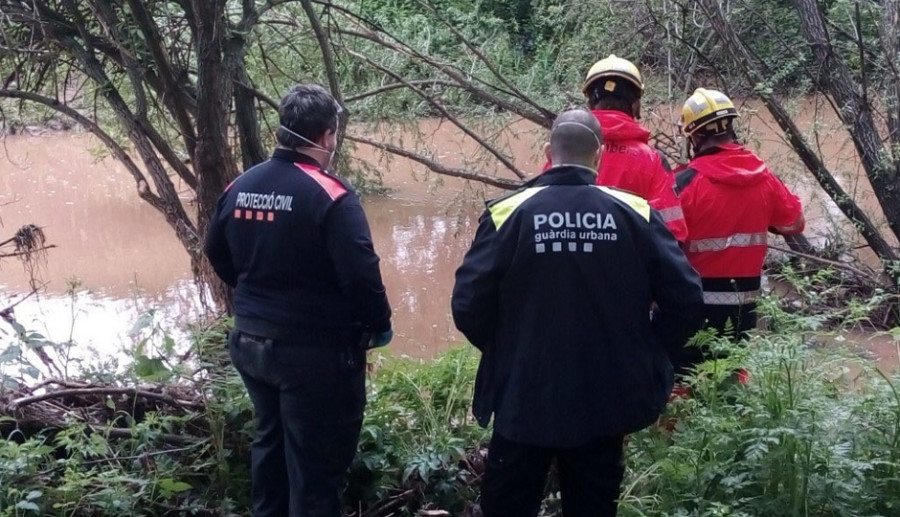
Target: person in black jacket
556, 292
293, 241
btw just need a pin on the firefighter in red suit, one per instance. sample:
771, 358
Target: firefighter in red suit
613, 88
730, 201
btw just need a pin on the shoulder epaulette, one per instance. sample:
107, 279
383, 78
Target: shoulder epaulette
331, 186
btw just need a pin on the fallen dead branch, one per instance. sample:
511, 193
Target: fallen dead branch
108, 391
100, 407
869, 276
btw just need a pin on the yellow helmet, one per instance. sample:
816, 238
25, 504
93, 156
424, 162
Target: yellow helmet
613, 67
705, 109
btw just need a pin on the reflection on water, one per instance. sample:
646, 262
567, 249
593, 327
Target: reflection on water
116, 259
127, 261
97, 326
420, 246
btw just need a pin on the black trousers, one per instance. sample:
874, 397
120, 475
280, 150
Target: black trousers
589, 476
308, 395
732, 321
741, 318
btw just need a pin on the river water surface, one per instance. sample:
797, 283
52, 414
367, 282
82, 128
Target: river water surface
116, 259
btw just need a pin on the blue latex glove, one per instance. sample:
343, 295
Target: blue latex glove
380, 339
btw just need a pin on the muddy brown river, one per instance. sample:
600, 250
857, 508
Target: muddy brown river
116, 259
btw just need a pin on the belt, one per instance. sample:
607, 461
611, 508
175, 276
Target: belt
310, 335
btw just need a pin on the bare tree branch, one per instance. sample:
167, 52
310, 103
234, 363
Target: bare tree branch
887, 31
456, 75
881, 169
862, 56
110, 143
171, 92
430, 100
815, 76
373, 34
259, 95
28, 252
833, 263
174, 212
252, 16
328, 60
111, 391
813, 162
395, 86
549, 115
437, 167
245, 116
399, 151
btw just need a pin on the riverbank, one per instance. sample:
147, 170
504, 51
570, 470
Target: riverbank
814, 432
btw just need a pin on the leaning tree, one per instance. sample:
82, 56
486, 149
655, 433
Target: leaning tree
180, 91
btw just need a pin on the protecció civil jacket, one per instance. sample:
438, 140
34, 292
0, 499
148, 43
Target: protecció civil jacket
555, 291
294, 243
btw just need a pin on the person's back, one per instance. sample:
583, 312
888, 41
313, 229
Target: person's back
629, 163
294, 282
555, 291
573, 349
730, 201
613, 88
294, 243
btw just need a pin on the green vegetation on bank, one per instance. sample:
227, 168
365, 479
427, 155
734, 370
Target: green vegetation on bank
816, 432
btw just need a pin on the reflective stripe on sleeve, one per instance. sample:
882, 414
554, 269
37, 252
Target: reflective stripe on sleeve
671, 214
729, 297
737, 240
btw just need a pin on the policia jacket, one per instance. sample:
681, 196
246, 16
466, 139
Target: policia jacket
556, 292
294, 243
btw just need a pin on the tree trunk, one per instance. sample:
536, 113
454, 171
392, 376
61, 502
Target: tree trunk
836, 80
252, 149
213, 163
813, 162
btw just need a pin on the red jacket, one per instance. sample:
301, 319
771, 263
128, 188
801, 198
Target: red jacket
730, 201
629, 163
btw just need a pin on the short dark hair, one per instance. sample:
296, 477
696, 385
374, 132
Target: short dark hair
308, 110
575, 138
621, 98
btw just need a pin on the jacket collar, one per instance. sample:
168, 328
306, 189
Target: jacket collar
734, 146
564, 175
290, 155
